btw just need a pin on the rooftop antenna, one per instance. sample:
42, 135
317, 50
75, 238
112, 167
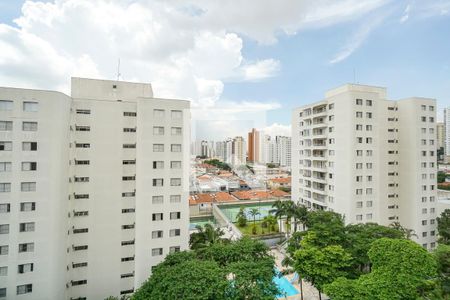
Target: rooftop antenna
118, 70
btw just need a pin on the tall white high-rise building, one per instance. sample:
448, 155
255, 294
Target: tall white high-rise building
283, 151
93, 188
447, 134
368, 158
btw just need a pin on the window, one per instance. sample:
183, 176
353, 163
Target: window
80, 230
424, 210
358, 178
369, 165
359, 102
175, 147
424, 119
128, 194
5, 187
29, 146
359, 114
80, 248
158, 113
157, 234
424, 107
157, 199
26, 227
175, 198
359, 191
81, 196
369, 115
30, 106
3, 271
129, 130
80, 213
359, 166
368, 216
83, 111
369, 102
369, 178
359, 152
432, 221
82, 128
158, 130
24, 288
80, 145
157, 251
369, 203
176, 130
128, 210
5, 146
6, 125
29, 126
6, 105
4, 250
27, 206
130, 258
79, 282
359, 204
175, 215
174, 249
4, 228
431, 108
5, 208
29, 166
177, 114
25, 268
128, 226
358, 217
431, 119
369, 127
126, 243
158, 182
157, 217
126, 275
360, 140
129, 146
5, 167
369, 140
175, 181
369, 191
174, 232
81, 179
158, 164
175, 164
128, 162
158, 147
129, 114
359, 127
330, 118
330, 106
128, 178
28, 186
26, 247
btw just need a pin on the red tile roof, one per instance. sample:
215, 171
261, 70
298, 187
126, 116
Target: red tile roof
281, 180
251, 195
211, 197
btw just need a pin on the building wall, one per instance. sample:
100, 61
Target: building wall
48, 277
357, 153
94, 188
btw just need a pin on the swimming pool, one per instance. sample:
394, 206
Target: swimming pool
201, 221
285, 287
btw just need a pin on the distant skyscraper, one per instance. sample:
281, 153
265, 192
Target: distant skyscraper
253, 150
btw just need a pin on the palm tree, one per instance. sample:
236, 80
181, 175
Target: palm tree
254, 212
280, 210
271, 221
300, 215
205, 237
408, 233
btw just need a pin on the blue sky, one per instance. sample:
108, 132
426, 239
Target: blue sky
262, 58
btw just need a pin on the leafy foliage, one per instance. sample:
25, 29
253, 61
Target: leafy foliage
206, 236
442, 255
219, 164
441, 177
401, 269
237, 270
443, 227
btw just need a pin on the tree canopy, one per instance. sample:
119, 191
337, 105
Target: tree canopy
235, 270
443, 227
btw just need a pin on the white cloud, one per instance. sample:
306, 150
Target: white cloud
358, 38
187, 49
261, 70
277, 129
405, 16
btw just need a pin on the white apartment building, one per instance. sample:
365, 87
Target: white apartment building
93, 188
368, 158
283, 151
447, 134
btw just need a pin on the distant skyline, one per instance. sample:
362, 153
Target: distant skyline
245, 65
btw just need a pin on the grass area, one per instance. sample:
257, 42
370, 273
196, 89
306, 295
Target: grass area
247, 230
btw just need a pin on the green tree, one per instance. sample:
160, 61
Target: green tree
205, 236
442, 255
441, 177
358, 240
401, 270
407, 233
254, 212
191, 279
238, 270
280, 210
241, 217
300, 215
320, 265
271, 222
443, 227
328, 226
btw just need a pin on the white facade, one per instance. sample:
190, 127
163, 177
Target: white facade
368, 158
111, 161
447, 133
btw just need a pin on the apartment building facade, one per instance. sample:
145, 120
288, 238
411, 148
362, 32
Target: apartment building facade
368, 158
94, 188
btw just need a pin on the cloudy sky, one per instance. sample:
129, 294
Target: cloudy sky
241, 63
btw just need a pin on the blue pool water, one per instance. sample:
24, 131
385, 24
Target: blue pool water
286, 288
